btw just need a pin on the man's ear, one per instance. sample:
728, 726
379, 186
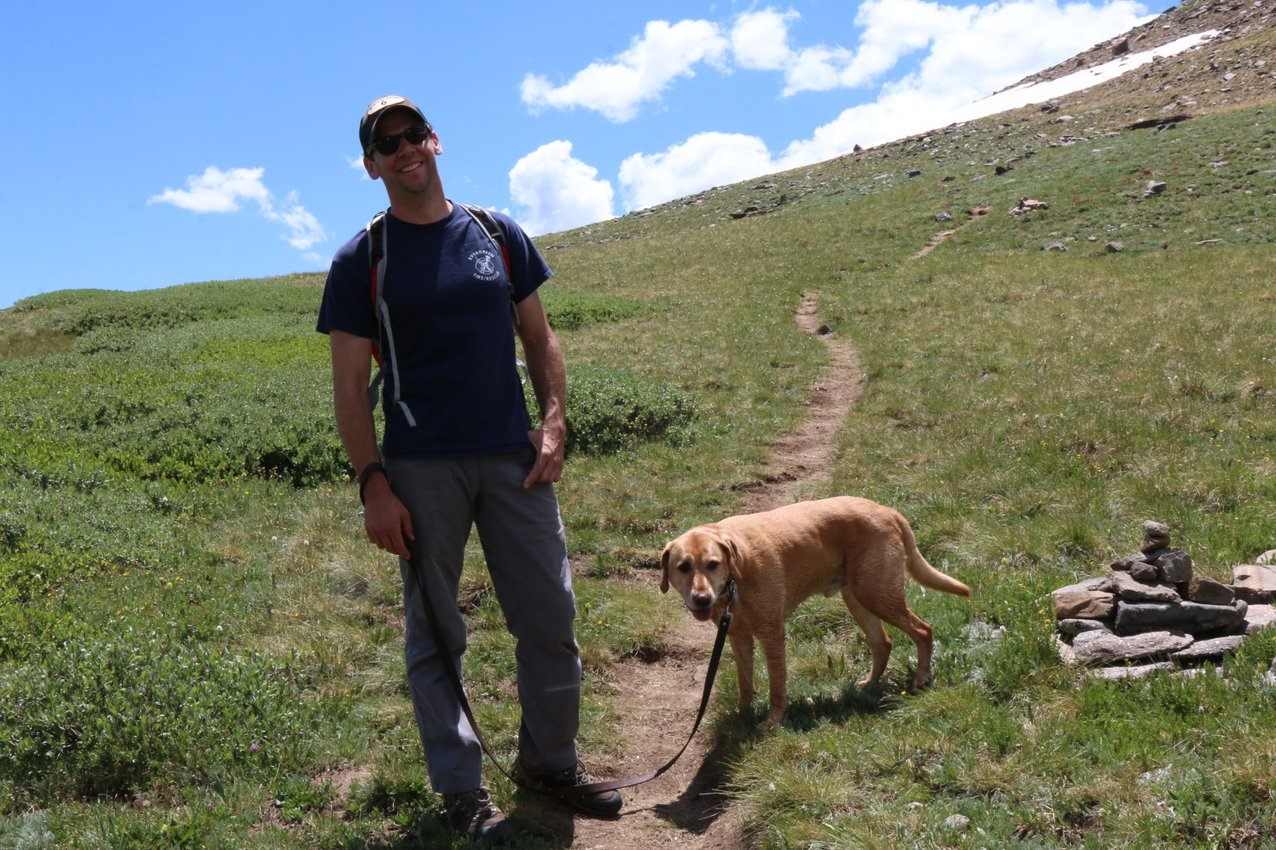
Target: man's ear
371, 167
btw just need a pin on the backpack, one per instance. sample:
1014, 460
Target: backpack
378, 256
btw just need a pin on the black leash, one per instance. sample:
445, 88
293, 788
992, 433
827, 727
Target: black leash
454, 679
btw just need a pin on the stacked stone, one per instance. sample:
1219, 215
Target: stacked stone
1154, 606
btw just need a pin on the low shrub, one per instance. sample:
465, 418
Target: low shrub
611, 410
569, 311
111, 714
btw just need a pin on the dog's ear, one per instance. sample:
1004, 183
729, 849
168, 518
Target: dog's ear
733, 557
664, 570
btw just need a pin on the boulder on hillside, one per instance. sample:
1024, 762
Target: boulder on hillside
1207, 591
1156, 536
1190, 617
1173, 566
1084, 605
1103, 648
1254, 583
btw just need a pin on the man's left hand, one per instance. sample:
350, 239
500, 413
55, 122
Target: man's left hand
548, 468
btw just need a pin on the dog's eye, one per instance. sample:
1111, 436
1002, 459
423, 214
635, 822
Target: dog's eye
711, 566
684, 567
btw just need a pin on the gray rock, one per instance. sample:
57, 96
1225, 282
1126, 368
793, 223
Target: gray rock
1123, 565
957, 823
1156, 535
1066, 655
1075, 626
1259, 617
1207, 591
1205, 650
1102, 648
1174, 566
1254, 583
1102, 583
1267, 558
1146, 573
1137, 671
1155, 187
1130, 589
1084, 605
1192, 617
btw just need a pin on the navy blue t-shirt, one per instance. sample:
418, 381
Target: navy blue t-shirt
448, 300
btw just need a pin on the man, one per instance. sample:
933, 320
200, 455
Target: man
459, 451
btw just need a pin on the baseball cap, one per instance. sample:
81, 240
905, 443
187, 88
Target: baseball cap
378, 108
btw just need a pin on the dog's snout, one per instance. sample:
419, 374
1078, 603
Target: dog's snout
702, 598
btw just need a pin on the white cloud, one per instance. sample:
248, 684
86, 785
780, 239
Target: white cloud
217, 191
760, 40
983, 50
966, 53
703, 161
616, 89
559, 191
303, 228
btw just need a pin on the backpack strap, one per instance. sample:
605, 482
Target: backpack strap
376, 272
494, 232
378, 256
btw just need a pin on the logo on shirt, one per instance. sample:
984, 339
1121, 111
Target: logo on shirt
485, 264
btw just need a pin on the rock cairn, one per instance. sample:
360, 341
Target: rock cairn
1152, 612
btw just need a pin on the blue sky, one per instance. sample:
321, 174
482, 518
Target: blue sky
149, 144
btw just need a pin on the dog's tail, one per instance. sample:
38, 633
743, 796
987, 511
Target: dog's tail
921, 570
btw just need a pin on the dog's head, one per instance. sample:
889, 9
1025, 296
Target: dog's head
698, 565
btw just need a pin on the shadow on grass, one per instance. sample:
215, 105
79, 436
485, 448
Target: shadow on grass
808, 713
543, 823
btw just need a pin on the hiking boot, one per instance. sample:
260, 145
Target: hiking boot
473, 814
597, 803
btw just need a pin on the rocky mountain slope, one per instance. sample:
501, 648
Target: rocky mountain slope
1235, 69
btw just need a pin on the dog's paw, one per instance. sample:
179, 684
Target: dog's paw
771, 722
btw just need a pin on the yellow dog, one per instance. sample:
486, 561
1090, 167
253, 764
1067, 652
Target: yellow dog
780, 558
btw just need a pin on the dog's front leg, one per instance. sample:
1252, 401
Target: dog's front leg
742, 650
777, 678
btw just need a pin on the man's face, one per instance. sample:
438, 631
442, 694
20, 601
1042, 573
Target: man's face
410, 168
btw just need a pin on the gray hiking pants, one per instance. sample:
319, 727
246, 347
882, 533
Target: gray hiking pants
524, 545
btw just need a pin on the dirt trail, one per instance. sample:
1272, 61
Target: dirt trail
943, 235
685, 807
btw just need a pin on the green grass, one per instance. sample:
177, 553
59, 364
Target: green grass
181, 549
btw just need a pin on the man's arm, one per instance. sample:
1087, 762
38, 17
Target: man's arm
385, 519
548, 371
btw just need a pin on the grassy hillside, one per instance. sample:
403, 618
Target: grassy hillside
197, 649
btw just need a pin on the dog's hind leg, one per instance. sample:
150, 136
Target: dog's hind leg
901, 617
879, 644
883, 596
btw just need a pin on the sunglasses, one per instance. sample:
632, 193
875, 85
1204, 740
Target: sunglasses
388, 145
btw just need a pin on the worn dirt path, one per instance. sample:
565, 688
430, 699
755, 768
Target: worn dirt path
686, 808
